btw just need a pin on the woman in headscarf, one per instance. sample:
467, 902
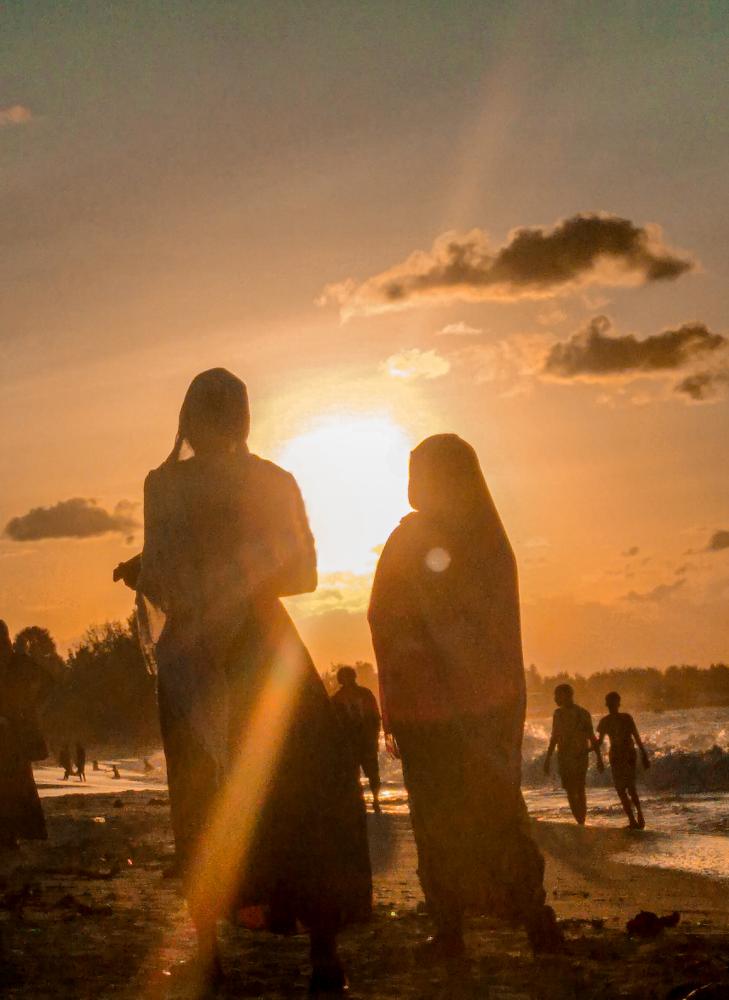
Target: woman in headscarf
444, 616
21, 813
268, 818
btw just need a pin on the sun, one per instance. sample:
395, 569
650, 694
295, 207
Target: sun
352, 471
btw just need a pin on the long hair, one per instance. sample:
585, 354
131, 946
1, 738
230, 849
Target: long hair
217, 401
446, 481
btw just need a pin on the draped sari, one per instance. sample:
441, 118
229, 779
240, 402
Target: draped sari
444, 616
262, 798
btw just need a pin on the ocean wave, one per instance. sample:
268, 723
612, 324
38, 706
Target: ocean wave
677, 770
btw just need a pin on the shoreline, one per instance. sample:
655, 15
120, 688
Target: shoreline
88, 914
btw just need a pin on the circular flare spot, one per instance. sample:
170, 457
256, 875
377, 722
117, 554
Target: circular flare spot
438, 560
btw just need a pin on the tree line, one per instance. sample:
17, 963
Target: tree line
642, 688
102, 693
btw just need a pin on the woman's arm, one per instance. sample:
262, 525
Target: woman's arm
294, 570
128, 572
552, 744
639, 743
394, 623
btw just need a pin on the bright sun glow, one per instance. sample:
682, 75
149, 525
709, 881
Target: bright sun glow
352, 471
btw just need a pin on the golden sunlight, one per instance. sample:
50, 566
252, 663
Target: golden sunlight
352, 470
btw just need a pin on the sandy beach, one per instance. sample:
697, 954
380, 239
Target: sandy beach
89, 914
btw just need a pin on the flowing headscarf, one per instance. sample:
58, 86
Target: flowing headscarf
444, 610
446, 482
216, 402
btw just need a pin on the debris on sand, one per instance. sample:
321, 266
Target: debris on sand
647, 924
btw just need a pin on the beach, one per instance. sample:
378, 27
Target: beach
90, 914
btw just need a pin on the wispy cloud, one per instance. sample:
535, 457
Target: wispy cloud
15, 114
460, 329
552, 317
414, 363
660, 593
75, 518
705, 386
536, 262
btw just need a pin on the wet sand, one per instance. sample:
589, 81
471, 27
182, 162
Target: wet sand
89, 915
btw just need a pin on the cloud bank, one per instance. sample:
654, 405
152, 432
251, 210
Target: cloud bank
75, 518
596, 353
536, 262
15, 114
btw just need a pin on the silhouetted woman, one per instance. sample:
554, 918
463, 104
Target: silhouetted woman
21, 814
445, 624
268, 818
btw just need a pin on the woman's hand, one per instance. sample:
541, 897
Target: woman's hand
391, 746
646, 760
129, 572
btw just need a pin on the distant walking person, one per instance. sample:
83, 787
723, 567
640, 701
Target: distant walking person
574, 738
360, 716
623, 734
267, 814
445, 624
65, 761
81, 761
21, 742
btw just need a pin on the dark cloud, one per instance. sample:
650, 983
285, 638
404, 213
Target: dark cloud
595, 352
703, 386
76, 518
632, 551
660, 593
536, 262
718, 541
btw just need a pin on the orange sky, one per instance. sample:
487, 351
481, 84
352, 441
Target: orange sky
245, 185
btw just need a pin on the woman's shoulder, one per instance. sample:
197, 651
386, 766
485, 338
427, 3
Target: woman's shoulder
407, 536
267, 476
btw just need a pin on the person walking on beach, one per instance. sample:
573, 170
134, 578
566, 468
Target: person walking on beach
359, 714
65, 761
621, 730
21, 742
81, 761
444, 615
268, 817
574, 738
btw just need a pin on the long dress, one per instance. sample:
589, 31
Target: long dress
21, 813
445, 624
266, 813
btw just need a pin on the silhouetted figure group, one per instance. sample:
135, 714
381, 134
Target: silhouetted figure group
574, 739
266, 807
21, 743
